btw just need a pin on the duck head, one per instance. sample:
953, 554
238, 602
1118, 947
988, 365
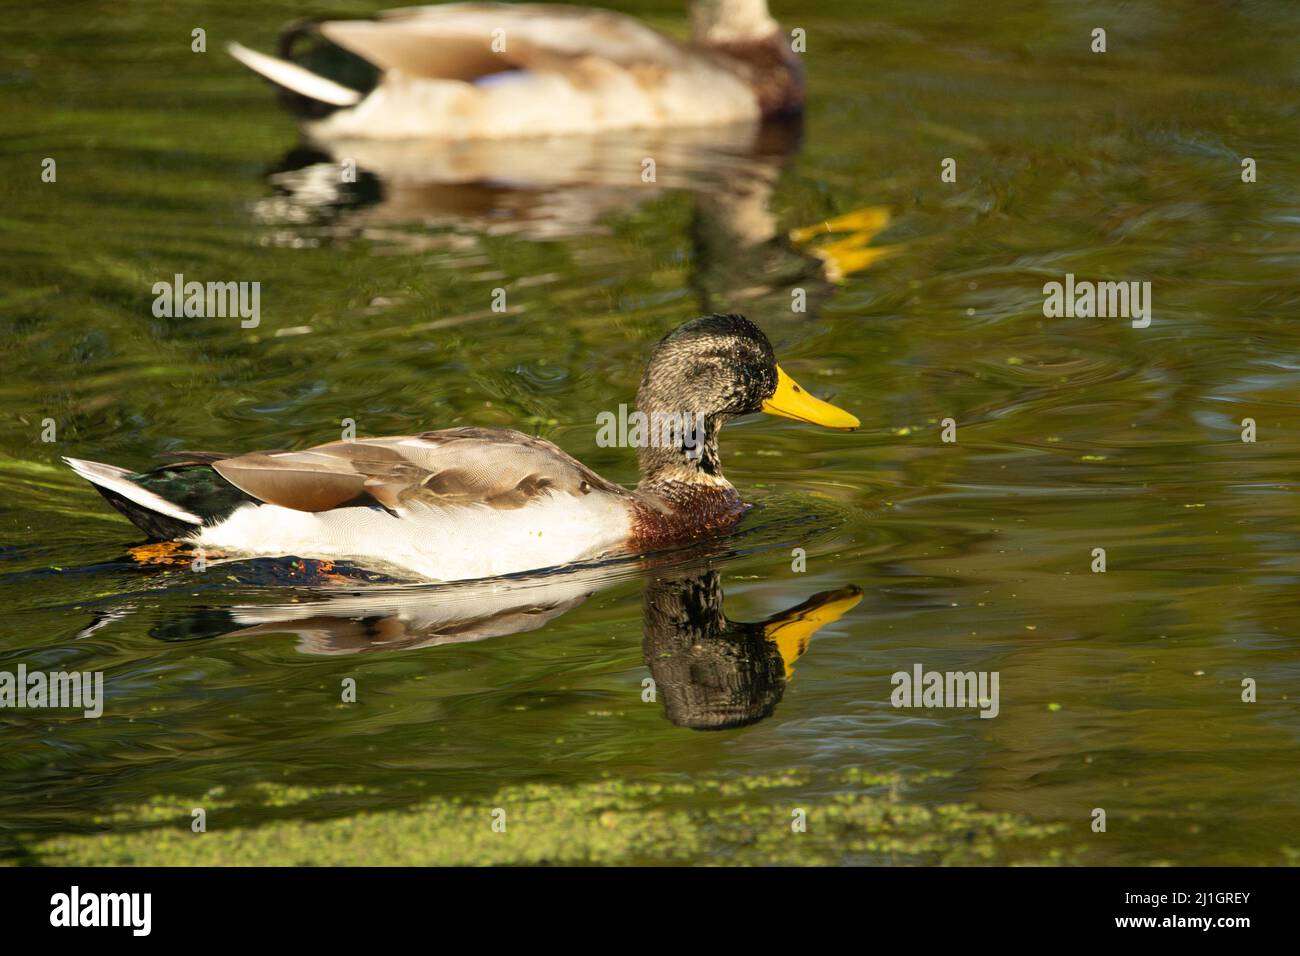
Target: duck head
730, 21
705, 373
743, 33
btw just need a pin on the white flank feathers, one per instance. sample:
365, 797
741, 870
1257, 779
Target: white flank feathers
445, 544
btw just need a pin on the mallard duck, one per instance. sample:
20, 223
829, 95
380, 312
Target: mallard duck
479, 502
484, 70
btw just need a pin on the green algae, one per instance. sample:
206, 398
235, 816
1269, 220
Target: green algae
749, 820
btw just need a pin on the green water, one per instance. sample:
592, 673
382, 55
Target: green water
1119, 690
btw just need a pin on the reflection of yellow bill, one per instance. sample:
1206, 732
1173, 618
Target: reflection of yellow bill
791, 401
792, 630
849, 256
866, 222
850, 253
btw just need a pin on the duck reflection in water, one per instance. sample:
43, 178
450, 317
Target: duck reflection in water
398, 193
715, 673
712, 673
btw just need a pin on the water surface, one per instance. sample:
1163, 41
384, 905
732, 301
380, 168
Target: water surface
1119, 690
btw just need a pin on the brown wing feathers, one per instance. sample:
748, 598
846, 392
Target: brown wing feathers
459, 466
299, 480
457, 42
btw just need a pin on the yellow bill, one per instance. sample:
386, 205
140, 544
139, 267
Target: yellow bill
792, 401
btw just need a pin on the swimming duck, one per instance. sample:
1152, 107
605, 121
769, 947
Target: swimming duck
478, 502
468, 71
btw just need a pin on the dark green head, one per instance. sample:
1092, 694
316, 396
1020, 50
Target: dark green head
716, 368
718, 365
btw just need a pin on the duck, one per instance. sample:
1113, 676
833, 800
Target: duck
471, 71
472, 502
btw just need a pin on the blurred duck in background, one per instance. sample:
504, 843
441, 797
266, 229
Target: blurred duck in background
534, 120
470, 71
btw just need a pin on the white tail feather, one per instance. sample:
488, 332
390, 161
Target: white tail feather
293, 77
114, 479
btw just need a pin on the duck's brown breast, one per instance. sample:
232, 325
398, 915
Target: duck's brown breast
682, 512
771, 69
